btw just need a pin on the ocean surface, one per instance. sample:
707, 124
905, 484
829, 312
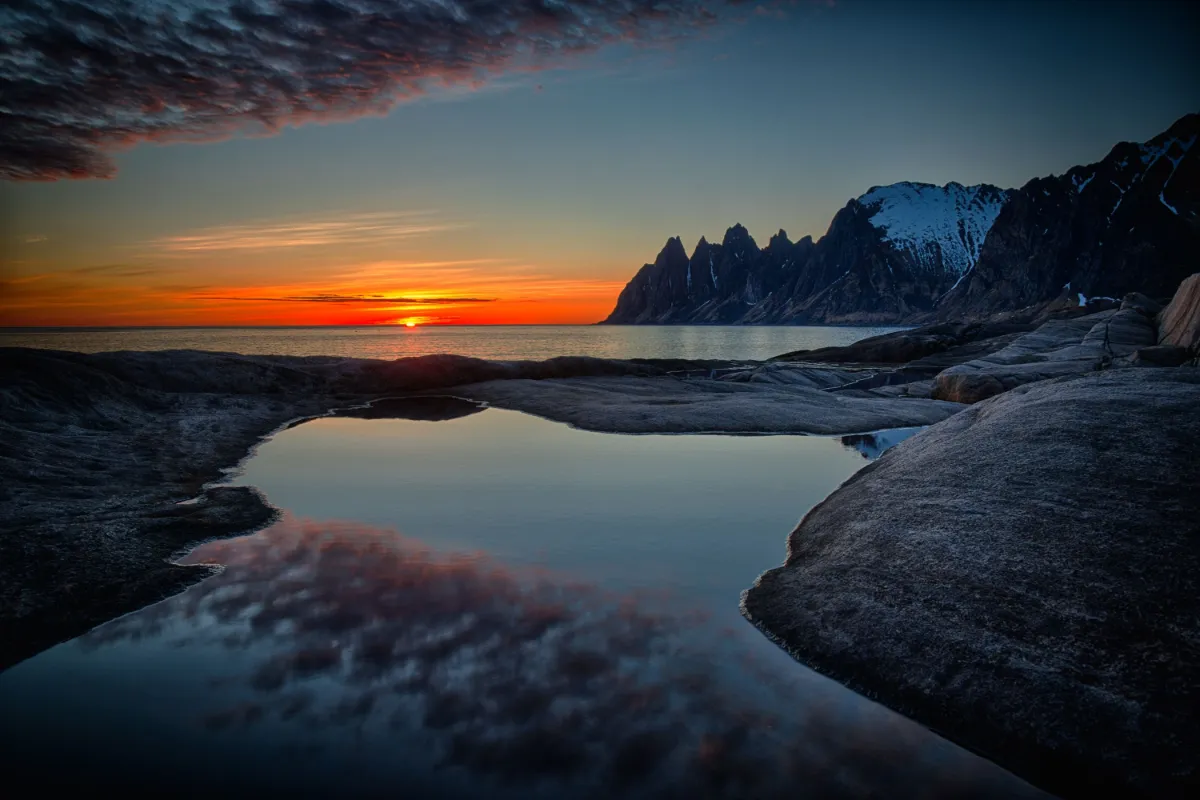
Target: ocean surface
488, 605
503, 342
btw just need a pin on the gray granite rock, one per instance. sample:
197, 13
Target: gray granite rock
1024, 578
700, 405
1142, 304
1160, 355
1179, 323
1057, 349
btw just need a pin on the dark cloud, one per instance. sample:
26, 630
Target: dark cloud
78, 79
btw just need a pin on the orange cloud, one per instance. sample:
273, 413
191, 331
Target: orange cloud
351, 229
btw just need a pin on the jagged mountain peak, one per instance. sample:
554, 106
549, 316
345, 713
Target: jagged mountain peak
737, 237
673, 250
906, 251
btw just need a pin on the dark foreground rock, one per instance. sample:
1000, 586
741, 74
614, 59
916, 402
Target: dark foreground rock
1024, 578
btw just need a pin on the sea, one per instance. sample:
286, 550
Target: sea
499, 342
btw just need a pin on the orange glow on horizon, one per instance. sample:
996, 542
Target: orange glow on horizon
68, 300
379, 268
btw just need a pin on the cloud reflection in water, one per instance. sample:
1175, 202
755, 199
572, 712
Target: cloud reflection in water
525, 677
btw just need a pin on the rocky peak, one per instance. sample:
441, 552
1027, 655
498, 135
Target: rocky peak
779, 241
672, 253
909, 250
1099, 230
738, 240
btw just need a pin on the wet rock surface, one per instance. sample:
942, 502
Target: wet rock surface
1024, 578
701, 405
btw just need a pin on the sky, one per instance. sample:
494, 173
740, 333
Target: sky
276, 162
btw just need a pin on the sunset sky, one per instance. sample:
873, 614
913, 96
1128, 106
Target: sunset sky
224, 162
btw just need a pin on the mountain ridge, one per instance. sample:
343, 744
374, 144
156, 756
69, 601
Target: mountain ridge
914, 252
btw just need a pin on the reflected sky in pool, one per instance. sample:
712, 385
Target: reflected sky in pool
491, 605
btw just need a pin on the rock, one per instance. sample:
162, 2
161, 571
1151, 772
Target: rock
1179, 323
1056, 349
1023, 578
701, 405
1142, 304
1160, 355
972, 387
1121, 333
905, 346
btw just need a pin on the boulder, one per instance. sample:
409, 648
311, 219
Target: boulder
1160, 355
1057, 349
1024, 578
1179, 323
1142, 304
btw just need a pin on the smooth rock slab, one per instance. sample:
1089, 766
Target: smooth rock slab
1057, 349
692, 405
1024, 578
1179, 323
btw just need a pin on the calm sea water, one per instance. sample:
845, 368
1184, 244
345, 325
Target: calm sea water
505, 342
491, 605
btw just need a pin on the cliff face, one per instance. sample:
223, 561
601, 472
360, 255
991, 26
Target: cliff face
718, 283
1128, 223
912, 251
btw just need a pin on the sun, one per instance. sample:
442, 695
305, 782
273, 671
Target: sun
410, 324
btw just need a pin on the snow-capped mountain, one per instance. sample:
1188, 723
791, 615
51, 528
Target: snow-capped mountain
940, 227
913, 251
891, 252
1130, 222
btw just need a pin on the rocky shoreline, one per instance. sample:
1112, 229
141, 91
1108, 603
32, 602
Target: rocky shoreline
1023, 578
1020, 576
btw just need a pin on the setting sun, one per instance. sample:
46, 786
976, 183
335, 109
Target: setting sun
410, 324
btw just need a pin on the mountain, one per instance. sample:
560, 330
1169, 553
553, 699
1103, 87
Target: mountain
1128, 223
915, 251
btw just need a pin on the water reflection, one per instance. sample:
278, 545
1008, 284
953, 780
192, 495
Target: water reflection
524, 679
434, 408
873, 445
559, 619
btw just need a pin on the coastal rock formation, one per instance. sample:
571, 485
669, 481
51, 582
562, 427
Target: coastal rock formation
1179, 323
1023, 578
913, 252
702, 405
1056, 349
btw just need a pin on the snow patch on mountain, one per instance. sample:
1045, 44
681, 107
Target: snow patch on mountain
940, 226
